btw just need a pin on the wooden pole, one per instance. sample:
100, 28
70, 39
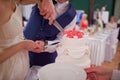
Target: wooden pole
91, 11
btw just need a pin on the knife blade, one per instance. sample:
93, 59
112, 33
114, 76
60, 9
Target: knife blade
58, 26
52, 43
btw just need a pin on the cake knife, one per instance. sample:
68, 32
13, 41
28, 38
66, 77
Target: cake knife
58, 26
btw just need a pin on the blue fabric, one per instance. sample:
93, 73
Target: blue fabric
79, 16
38, 28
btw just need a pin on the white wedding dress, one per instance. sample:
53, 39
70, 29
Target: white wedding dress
16, 67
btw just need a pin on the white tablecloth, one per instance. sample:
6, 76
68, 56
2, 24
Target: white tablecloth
102, 46
111, 45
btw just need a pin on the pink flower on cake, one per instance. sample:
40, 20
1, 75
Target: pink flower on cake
80, 34
72, 33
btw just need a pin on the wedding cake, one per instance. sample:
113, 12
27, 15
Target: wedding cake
72, 49
73, 57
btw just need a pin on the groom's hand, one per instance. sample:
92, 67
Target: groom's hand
47, 10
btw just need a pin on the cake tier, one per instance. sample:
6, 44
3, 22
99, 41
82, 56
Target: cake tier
72, 43
77, 52
83, 62
57, 71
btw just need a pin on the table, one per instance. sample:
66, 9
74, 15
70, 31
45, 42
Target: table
102, 46
111, 45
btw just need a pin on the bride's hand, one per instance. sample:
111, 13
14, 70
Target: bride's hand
30, 45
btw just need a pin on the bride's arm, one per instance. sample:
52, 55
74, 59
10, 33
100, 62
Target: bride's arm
9, 52
24, 45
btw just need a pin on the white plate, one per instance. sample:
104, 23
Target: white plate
59, 71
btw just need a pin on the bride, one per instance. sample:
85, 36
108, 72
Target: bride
14, 62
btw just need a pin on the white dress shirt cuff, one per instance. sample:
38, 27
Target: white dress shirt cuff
115, 75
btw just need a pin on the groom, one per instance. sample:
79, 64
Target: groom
38, 28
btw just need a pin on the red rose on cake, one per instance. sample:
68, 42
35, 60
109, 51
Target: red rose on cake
73, 33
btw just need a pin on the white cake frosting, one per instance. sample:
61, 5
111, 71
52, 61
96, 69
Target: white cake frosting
70, 42
61, 71
73, 50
